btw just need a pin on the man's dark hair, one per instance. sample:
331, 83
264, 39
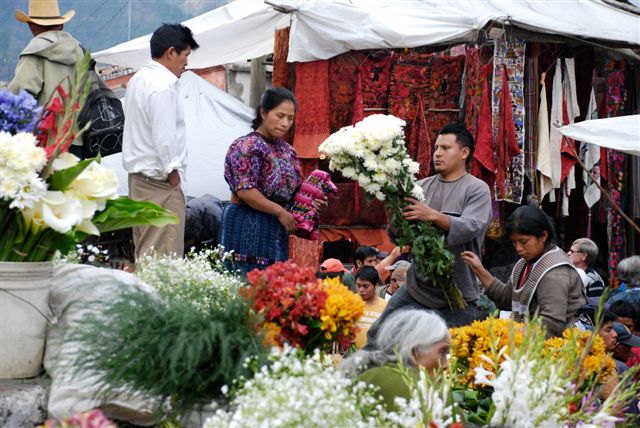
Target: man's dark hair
363, 252
171, 35
463, 137
368, 273
626, 309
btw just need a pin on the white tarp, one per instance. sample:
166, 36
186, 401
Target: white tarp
619, 133
323, 29
213, 119
239, 31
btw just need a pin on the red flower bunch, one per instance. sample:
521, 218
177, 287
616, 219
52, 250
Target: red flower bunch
289, 299
55, 133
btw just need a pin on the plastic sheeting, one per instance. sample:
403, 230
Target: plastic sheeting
323, 29
213, 119
619, 133
241, 30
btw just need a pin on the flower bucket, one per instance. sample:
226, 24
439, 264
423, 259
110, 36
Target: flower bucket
24, 315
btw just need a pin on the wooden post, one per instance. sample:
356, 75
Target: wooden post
258, 80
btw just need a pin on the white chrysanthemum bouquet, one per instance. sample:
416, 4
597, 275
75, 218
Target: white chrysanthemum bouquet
373, 153
49, 199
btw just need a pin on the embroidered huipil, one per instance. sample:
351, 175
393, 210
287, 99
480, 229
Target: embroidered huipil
271, 166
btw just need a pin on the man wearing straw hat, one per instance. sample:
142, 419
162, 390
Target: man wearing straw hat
52, 53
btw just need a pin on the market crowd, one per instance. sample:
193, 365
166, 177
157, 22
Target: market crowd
406, 316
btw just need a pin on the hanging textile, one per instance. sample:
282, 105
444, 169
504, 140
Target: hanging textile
437, 79
544, 149
305, 253
555, 138
472, 90
372, 85
506, 146
590, 156
312, 117
484, 166
343, 70
281, 75
531, 107
341, 210
615, 97
508, 63
568, 151
420, 132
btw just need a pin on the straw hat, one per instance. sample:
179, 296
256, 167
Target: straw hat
44, 12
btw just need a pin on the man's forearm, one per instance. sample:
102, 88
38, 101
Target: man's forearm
441, 220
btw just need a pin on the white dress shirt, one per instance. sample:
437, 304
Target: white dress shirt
154, 141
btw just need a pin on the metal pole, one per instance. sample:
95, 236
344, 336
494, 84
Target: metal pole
129, 32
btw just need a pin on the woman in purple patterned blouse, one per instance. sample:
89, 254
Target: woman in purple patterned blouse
263, 173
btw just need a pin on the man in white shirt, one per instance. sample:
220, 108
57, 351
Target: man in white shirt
154, 151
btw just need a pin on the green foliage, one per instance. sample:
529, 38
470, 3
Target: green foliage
165, 348
431, 257
62, 179
122, 213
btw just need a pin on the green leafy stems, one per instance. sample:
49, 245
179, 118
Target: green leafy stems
431, 257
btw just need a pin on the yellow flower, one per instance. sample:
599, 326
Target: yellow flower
341, 312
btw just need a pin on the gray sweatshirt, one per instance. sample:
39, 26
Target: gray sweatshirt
468, 202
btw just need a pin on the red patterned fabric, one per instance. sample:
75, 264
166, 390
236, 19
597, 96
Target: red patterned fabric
341, 210
307, 166
343, 70
281, 75
372, 85
484, 166
437, 81
305, 253
373, 237
567, 156
420, 133
312, 117
472, 90
506, 144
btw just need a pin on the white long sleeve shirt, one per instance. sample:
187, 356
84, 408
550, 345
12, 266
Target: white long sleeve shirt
154, 141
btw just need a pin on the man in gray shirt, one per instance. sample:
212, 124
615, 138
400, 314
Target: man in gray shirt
460, 205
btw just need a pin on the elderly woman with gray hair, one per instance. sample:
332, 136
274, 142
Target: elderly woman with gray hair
417, 338
629, 275
583, 254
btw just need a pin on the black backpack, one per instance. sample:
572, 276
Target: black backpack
104, 110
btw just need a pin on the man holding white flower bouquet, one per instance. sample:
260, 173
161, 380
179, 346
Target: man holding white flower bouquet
460, 205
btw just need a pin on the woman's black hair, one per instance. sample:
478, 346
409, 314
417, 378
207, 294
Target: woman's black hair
270, 99
529, 220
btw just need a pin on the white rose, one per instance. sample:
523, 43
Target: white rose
97, 184
64, 160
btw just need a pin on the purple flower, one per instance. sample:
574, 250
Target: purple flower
18, 113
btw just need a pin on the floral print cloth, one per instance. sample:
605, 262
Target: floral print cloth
271, 166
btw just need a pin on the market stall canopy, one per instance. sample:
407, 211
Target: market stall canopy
213, 119
238, 31
321, 29
619, 133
